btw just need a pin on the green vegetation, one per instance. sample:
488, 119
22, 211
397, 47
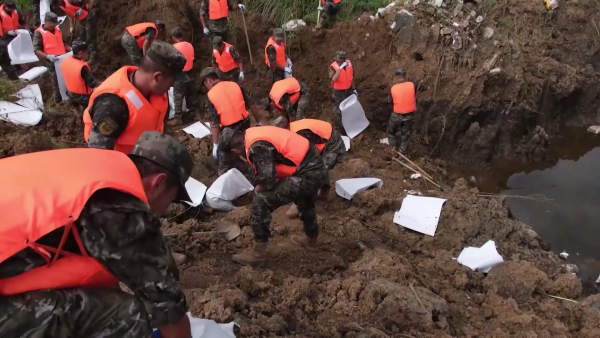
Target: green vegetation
281, 11
23, 5
7, 88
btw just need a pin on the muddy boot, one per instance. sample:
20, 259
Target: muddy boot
293, 212
178, 258
175, 122
305, 242
256, 256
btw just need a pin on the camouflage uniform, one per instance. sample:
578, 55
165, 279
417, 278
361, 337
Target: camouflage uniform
122, 233
296, 110
90, 81
218, 27
135, 53
332, 153
300, 189
330, 10
232, 75
186, 90
7, 67
400, 125
87, 26
38, 44
275, 74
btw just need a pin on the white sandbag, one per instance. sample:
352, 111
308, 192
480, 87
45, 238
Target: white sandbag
226, 188
196, 190
353, 116
198, 130
31, 97
172, 104
206, 328
33, 73
45, 8
346, 140
18, 114
349, 187
62, 86
420, 213
480, 259
20, 49
294, 25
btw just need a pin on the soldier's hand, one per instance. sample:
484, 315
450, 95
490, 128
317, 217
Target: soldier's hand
216, 151
241, 76
79, 12
241, 7
206, 31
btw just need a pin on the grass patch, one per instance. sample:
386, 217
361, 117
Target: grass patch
23, 5
7, 88
487, 5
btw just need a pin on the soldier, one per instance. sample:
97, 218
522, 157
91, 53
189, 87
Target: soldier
328, 142
341, 75
226, 110
404, 95
48, 44
11, 20
218, 12
133, 100
275, 56
289, 98
287, 168
227, 61
184, 90
329, 10
78, 76
138, 38
80, 10
103, 208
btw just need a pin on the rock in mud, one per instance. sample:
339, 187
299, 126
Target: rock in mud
567, 286
403, 19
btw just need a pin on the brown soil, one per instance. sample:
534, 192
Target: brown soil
370, 277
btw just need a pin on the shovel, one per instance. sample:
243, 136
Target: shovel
230, 230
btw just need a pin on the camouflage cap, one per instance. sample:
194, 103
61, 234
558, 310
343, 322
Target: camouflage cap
78, 46
165, 151
168, 57
51, 18
340, 55
278, 34
206, 72
217, 41
10, 4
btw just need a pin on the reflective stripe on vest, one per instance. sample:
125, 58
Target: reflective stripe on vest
229, 102
71, 69
289, 86
187, 50
404, 98
280, 49
71, 9
225, 61
48, 191
53, 42
318, 127
9, 22
143, 115
217, 9
292, 146
139, 32
344, 82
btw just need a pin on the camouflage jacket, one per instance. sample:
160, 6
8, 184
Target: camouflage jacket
301, 105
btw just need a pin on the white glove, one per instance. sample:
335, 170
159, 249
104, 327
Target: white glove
288, 70
241, 7
12, 33
216, 151
78, 13
206, 31
320, 8
51, 58
355, 92
345, 64
241, 76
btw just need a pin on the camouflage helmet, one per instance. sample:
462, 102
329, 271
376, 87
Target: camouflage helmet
278, 34
167, 56
206, 72
340, 55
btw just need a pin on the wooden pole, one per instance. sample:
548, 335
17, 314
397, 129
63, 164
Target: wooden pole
247, 38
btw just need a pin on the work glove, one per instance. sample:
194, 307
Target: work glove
241, 7
241, 76
355, 92
12, 33
51, 58
206, 31
288, 70
78, 13
216, 151
320, 8
345, 64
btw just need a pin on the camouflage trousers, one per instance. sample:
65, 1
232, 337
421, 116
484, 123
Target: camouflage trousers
186, 90
132, 49
332, 154
398, 130
7, 67
275, 74
301, 190
338, 97
99, 313
87, 31
218, 28
232, 75
330, 10
79, 99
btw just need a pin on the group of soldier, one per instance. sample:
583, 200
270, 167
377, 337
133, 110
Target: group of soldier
88, 218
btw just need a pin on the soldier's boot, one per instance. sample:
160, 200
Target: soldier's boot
323, 194
256, 256
293, 212
306, 242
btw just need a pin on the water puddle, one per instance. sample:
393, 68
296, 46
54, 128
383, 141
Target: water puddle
571, 221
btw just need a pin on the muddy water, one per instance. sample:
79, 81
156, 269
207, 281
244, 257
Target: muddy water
571, 221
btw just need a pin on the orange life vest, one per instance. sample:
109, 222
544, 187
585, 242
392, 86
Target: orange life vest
321, 128
404, 98
53, 42
286, 86
334, 1
292, 146
48, 191
280, 49
138, 32
143, 115
225, 61
229, 102
344, 82
71, 9
9, 22
71, 69
217, 9
187, 50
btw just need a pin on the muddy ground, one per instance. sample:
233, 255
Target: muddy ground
371, 278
